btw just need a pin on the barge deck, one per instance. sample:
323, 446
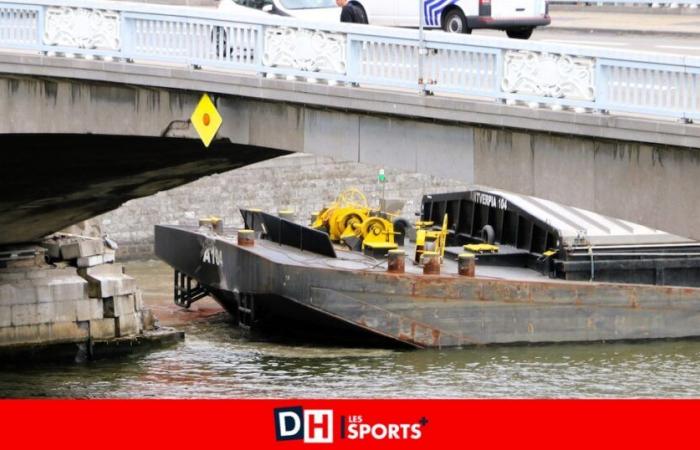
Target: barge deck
352, 296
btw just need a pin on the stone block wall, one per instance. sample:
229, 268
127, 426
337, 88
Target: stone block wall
301, 182
49, 304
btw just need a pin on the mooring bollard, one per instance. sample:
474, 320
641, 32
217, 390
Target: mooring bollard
246, 238
396, 262
431, 263
466, 265
215, 223
286, 214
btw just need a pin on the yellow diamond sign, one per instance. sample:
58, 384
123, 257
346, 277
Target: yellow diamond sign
206, 120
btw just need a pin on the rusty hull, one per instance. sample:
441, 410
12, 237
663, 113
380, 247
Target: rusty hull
431, 310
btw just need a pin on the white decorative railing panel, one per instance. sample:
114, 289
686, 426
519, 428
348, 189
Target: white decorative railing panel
305, 50
387, 62
196, 42
18, 25
643, 87
467, 70
548, 75
82, 28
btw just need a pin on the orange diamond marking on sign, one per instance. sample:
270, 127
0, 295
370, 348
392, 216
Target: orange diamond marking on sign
206, 120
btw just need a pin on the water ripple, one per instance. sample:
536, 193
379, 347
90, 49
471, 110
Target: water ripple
216, 361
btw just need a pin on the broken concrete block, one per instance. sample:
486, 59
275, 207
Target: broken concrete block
5, 316
109, 309
43, 285
24, 314
118, 305
138, 300
128, 324
90, 261
68, 288
108, 280
53, 248
69, 331
126, 303
96, 308
109, 256
102, 328
105, 270
61, 271
82, 247
148, 319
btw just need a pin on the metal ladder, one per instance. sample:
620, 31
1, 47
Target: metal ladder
187, 290
246, 311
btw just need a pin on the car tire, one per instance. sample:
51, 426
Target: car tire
520, 33
455, 22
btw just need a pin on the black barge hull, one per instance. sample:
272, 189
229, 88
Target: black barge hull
272, 285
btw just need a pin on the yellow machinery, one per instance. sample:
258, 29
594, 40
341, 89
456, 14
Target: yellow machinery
480, 249
350, 220
428, 240
378, 235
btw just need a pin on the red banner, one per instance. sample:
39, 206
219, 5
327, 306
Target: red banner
366, 424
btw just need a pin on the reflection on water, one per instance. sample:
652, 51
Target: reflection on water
216, 361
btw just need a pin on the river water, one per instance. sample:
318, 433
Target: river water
216, 361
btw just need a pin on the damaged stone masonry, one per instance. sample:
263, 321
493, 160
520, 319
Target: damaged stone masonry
69, 293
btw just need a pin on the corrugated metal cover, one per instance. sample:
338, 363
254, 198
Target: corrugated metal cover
576, 225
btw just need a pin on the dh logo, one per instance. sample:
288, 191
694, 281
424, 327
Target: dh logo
314, 426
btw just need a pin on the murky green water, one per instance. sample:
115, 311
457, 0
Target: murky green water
216, 361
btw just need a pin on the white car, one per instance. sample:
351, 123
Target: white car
241, 8
518, 18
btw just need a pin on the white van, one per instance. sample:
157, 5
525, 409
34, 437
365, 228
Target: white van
518, 18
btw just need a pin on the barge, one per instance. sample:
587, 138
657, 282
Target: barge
545, 273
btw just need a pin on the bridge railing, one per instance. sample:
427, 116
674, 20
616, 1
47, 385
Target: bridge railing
691, 4
513, 71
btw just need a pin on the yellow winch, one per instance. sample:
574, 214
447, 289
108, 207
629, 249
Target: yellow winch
350, 220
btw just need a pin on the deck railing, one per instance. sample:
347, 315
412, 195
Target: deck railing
538, 74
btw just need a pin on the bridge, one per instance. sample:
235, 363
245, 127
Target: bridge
97, 98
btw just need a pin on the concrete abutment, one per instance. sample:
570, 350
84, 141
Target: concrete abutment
57, 310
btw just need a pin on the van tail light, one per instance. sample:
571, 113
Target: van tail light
484, 8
